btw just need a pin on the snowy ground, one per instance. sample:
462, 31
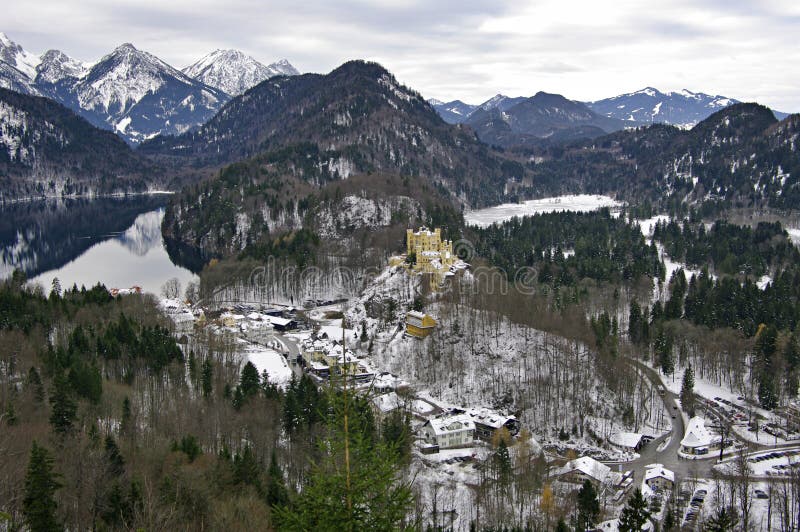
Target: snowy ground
506, 211
269, 360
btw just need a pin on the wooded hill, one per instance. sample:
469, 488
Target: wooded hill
47, 150
738, 157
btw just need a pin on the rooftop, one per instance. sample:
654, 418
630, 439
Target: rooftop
588, 466
697, 434
448, 424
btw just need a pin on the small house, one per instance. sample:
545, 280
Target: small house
449, 431
581, 469
658, 478
283, 324
418, 324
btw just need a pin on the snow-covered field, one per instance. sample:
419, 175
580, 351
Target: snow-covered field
269, 360
506, 211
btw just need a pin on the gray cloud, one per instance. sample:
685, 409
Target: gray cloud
468, 49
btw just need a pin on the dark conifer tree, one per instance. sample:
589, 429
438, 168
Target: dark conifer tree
41, 482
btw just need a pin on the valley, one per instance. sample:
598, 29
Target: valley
238, 296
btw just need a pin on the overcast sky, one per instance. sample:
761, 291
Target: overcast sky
467, 49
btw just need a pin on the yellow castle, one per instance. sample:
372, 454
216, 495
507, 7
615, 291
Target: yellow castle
433, 255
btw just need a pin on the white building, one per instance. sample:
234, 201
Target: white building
584, 468
449, 431
698, 440
658, 478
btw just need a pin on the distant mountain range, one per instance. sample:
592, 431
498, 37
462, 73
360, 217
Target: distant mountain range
518, 121
499, 121
132, 92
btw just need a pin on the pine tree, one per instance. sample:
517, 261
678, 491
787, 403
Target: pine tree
502, 462
116, 464
276, 487
670, 522
562, 526
249, 381
588, 505
724, 520
357, 483
687, 390
635, 514
207, 377
39, 505
635, 323
765, 348
791, 355
247, 469
35, 382
663, 347
63, 405
10, 415
125, 421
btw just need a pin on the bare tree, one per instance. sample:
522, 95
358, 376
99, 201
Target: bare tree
171, 289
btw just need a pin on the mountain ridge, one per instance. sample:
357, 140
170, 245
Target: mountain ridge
128, 91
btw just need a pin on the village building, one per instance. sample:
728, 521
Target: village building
488, 422
698, 441
418, 324
324, 359
584, 468
386, 403
449, 431
658, 478
628, 441
282, 324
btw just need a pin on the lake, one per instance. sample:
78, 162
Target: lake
500, 213
114, 241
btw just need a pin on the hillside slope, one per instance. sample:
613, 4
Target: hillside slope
46, 150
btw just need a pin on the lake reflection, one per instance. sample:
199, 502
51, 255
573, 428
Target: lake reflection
113, 241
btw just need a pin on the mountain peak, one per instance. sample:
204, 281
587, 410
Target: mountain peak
16, 56
234, 72
56, 66
126, 47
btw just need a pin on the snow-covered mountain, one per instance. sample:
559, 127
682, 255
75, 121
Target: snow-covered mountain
501, 102
542, 116
132, 92
457, 112
55, 66
17, 66
453, 112
234, 72
682, 108
141, 96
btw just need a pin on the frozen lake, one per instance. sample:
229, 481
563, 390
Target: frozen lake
506, 211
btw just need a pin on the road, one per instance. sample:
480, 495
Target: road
668, 456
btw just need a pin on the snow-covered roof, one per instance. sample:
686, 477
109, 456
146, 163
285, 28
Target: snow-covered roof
448, 424
280, 322
387, 402
484, 416
625, 439
697, 434
588, 466
415, 314
387, 380
658, 471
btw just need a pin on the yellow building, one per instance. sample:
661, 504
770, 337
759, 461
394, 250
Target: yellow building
433, 255
419, 325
